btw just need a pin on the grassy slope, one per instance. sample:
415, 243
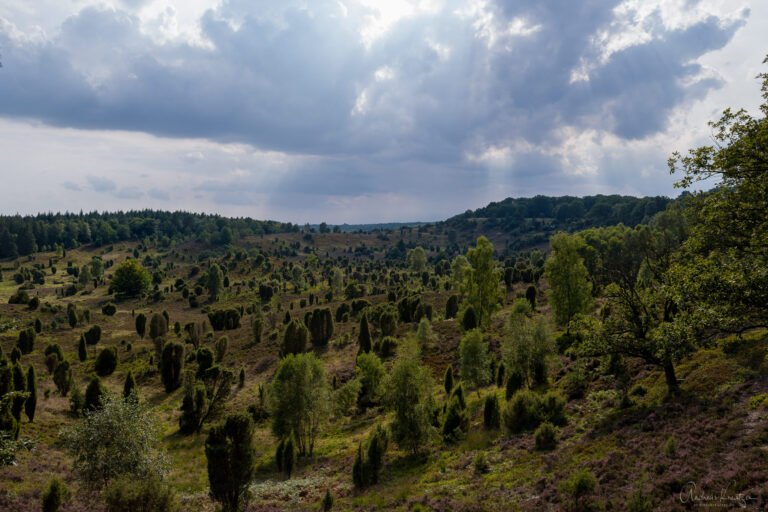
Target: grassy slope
720, 441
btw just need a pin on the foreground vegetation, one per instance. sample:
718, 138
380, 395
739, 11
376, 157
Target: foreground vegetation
624, 368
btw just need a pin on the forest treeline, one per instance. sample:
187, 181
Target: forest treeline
530, 221
24, 235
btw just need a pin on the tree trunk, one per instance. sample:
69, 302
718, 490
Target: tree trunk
673, 386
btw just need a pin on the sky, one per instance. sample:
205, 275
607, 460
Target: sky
359, 111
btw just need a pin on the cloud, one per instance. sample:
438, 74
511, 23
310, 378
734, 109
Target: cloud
72, 186
156, 193
101, 184
311, 103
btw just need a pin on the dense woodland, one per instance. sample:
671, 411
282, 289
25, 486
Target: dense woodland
171, 361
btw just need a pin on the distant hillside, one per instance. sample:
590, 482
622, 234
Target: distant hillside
512, 224
525, 222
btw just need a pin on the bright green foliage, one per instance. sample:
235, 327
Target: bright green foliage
527, 348
460, 267
720, 274
642, 315
295, 338
214, 282
424, 334
230, 454
106, 362
473, 352
147, 495
417, 259
171, 366
31, 404
130, 279
300, 400
55, 495
345, 397
98, 459
371, 373
364, 336
481, 285
570, 292
409, 396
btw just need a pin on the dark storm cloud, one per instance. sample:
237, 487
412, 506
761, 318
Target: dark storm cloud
297, 78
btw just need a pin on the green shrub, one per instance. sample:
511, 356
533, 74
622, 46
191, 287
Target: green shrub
92, 335
171, 365
480, 464
491, 413
522, 412
109, 309
76, 402
575, 383
106, 362
148, 495
62, 377
546, 436
55, 495
94, 395
553, 408
578, 486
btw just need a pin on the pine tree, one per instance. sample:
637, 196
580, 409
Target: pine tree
141, 325
19, 385
289, 456
327, 501
82, 352
129, 388
448, 380
31, 404
230, 455
171, 365
364, 337
358, 468
94, 395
